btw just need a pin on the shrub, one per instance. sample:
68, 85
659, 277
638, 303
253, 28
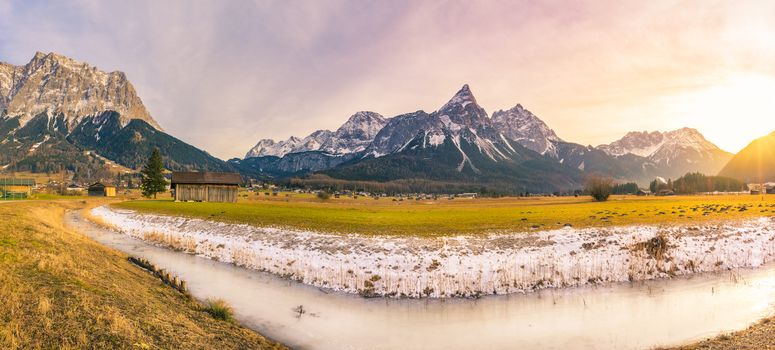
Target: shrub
323, 195
219, 309
599, 188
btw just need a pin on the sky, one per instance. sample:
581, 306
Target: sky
224, 74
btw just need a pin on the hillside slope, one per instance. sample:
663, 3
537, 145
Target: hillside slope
755, 163
62, 290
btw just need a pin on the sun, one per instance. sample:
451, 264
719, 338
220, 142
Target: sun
731, 112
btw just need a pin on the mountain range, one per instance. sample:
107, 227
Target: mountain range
460, 142
57, 113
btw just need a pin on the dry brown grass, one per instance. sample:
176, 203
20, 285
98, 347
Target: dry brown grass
185, 244
61, 290
760, 336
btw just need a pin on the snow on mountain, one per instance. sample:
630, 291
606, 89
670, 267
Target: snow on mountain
401, 129
60, 86
461, 114
462, 130
638, 143
463, 111
669, 154
352, 137
525, 128
664, 147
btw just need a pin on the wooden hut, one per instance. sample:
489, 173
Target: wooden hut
205, 186
98, 189
17, 187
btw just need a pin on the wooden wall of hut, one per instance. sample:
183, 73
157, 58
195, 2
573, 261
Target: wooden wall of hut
206, 193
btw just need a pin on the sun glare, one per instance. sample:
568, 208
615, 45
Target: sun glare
731, 113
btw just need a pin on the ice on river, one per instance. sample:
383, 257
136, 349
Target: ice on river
462, 266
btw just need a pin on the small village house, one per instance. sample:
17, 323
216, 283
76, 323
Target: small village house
17, 187
665, 192
762, 188
99, 189
205, 186
74, 189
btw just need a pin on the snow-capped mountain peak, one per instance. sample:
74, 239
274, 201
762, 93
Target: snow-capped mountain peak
362, 125
640, 143
352, 137
681, 150
463, 110
463, 97
525, 128
657, 145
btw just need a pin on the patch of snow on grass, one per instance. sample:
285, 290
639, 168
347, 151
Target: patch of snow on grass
462, 266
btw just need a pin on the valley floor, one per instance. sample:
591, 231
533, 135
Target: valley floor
463, 265
444, 217
60, 289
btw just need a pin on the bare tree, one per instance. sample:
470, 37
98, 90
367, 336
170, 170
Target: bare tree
599, 188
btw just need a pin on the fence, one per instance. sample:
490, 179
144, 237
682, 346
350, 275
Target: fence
14, 189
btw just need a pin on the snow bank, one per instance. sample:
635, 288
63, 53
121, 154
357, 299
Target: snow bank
462, 266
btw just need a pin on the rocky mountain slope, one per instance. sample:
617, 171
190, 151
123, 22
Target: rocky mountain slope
57, 113
524, 127
57, 85
755, 163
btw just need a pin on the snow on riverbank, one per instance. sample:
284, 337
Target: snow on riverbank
463, 265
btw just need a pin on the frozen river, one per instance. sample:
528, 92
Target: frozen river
638, 315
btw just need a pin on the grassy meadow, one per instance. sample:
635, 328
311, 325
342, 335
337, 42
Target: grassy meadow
461, 216
59, 289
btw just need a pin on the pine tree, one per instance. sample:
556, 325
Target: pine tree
153, 178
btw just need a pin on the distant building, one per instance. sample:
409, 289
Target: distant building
99, 189
643, 192
665, 193
74, 189
205, 186
467, 195
17, 187
768, 188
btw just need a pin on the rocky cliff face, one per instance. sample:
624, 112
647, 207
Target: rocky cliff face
57, 113
56, 85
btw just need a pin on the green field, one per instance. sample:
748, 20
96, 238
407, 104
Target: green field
462, 216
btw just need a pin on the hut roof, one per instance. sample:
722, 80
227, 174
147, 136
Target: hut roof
99, 185
17, 182
211, 178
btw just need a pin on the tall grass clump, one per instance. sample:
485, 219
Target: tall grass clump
219, 309
323, 195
